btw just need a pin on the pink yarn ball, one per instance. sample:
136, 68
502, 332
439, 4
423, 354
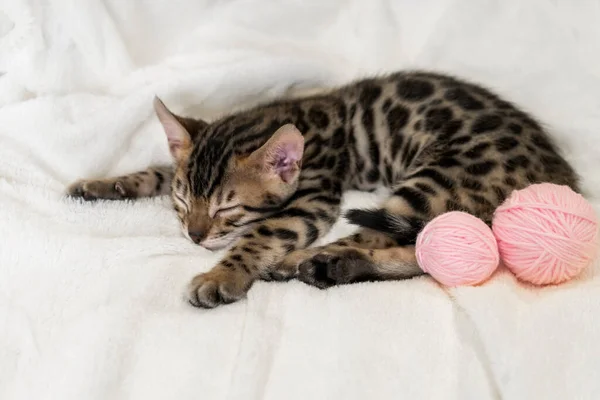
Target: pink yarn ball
546, 233
456, 249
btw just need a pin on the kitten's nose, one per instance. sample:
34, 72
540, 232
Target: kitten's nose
196, 236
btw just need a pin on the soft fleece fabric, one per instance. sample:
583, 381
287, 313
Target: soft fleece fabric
91, 295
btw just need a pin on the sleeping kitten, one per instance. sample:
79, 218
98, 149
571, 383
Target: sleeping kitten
270, 179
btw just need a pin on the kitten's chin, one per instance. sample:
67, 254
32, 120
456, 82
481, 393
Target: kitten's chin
217, 244
213, 247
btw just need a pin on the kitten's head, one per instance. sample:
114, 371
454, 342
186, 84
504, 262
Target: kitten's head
217, 193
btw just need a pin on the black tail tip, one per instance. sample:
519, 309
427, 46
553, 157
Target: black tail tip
403, 229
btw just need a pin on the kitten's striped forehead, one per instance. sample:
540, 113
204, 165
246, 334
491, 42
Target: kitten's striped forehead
213, 150
207, 164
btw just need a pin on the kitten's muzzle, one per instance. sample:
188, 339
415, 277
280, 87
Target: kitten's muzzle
200, 239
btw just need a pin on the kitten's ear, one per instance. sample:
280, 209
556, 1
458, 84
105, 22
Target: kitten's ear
177, 135
282, 154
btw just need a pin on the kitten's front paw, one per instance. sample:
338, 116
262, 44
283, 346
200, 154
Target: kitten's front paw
218, 286
90, 190
336, 268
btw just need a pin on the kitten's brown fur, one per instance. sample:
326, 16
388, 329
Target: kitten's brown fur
271, 178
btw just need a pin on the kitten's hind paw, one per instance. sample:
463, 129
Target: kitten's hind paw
336, 268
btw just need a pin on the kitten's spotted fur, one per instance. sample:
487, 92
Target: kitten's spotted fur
271, 178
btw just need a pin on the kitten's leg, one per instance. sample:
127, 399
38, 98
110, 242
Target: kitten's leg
342, 265
154, 181
414, 201
366, 238
259, 253
363, 239
347, 260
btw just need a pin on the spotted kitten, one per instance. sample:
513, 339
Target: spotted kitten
270, 179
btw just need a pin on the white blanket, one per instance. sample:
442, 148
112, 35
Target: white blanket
91, 295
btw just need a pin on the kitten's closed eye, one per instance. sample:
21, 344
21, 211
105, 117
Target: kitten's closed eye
224, 212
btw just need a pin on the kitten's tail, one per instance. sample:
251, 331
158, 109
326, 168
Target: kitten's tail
401, 228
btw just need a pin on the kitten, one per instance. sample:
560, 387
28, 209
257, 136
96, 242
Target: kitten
270, 179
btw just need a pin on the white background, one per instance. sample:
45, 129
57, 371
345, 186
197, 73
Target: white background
91, 295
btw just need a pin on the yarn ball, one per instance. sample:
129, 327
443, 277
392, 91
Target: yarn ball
546, 233
456, 249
